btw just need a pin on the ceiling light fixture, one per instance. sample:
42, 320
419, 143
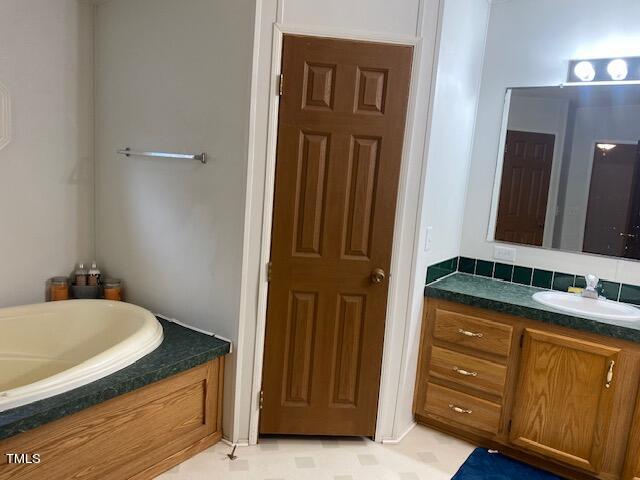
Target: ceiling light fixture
605, 147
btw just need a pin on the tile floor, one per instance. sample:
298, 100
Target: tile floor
422, 455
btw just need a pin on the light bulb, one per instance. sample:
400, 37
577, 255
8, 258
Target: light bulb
617, 69
605, 147
584, 71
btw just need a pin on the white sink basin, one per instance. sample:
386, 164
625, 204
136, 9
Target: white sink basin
588, 307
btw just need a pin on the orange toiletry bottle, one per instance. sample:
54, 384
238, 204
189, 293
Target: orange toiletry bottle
113, 289
58, 289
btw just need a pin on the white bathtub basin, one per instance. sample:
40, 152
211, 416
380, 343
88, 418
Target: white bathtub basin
589, 307
50, 348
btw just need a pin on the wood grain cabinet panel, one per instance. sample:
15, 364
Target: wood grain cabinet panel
462, 408
632, 469
557, 398
473, 332
135, 436
468, 371
564, 398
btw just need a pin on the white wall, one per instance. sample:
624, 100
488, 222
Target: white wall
405, 21
529, 44
174, 75
455, 100
46, 170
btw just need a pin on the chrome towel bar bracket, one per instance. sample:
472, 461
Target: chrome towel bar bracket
201, 157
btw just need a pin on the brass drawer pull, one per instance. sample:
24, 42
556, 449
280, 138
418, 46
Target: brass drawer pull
610, 374
467, 333
465, 373
457, 409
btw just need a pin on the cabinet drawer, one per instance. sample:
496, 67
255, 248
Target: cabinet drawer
468, 371
462, 408
473, 332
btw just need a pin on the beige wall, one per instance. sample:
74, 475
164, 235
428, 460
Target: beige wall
174, 75
46, 169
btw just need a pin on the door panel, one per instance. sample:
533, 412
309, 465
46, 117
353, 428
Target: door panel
526, 173
300, 336
611, 200
563, 407
340, 137
348, 349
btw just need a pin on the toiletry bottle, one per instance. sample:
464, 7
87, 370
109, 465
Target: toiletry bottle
81, 276
58, 289
94, 275
113, 289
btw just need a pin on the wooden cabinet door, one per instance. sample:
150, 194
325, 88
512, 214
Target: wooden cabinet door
564, 399
632, 469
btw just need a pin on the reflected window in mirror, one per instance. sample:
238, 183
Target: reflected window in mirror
568, 175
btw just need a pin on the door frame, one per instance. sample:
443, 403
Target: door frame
400, 297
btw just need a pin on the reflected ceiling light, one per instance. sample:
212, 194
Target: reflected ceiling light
617, 69
605, 147
584, 71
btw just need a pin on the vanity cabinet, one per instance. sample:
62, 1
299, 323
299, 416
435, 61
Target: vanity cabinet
632, 469
558, 398
564, 398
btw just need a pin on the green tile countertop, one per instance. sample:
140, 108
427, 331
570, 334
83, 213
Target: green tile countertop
180, 350
516, 300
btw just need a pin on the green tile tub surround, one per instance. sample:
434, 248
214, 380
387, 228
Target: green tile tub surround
517, 300
442, 269
522, 275
484, 268
562, 282
180, 350
542, 278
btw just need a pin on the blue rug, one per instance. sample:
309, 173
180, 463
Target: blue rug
482, 465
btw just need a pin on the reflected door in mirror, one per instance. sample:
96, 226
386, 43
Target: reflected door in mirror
526, 172
612, 223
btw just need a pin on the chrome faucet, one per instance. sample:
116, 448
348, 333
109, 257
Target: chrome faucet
592, 283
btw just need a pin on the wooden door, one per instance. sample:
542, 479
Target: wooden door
563, 404
341, 129
524, 191
611, 199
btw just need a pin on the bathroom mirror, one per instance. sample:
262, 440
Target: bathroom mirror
568, 174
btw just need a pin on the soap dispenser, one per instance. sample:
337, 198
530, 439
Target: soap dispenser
80, 276
94, 275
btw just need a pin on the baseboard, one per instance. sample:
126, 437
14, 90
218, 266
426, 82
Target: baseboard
398, 439
241, 443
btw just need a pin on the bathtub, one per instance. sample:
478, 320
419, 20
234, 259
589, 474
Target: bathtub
50, 348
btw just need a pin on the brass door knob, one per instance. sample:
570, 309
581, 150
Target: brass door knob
377, 276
